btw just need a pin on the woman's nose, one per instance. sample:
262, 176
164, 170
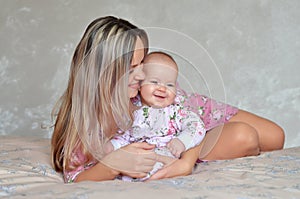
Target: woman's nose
140, 75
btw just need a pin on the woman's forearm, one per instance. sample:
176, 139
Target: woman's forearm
181, 167
99, 172
190, 157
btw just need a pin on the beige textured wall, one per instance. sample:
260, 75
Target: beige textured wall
246, 53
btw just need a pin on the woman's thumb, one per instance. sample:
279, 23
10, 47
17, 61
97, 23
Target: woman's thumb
166, 160
144, 145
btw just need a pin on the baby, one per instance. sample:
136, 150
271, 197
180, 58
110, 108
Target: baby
159, 120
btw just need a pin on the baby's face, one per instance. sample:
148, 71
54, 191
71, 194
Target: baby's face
159, 87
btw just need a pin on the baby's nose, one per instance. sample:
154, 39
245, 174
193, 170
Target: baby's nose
161, 87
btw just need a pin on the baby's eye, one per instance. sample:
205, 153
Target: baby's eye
171, 85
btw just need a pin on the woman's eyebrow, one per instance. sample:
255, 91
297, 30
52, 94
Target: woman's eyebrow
134, 65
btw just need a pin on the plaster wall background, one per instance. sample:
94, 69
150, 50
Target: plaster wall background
246, 53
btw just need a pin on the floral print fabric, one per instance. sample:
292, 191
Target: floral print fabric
159, 125
212, 112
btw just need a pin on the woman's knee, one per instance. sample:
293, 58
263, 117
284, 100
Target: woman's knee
246, 137
271, 136
281, 137
277, 138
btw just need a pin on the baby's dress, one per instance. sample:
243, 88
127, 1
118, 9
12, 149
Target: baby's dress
158, 126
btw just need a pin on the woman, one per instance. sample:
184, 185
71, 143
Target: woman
105, 73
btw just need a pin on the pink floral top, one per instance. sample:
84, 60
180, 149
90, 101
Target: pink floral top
211, 112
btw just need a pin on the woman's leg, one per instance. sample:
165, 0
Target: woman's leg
246, 134
271, 136
237, 139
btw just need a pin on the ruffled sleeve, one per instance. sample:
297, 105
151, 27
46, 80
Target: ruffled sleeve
77, 159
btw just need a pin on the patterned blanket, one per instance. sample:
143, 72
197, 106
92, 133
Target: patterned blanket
25, 172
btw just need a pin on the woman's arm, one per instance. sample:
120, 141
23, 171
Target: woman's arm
136, 160
181, 167
99, 172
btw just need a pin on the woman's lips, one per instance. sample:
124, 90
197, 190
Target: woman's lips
134, 85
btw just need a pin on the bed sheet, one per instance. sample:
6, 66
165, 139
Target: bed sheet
25, 172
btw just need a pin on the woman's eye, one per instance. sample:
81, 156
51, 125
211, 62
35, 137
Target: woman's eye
132, 67
131, 70
153, 82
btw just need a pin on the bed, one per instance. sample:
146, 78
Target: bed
25, 172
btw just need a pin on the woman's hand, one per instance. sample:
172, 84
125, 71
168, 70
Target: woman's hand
135, 160
180, 167
166, 160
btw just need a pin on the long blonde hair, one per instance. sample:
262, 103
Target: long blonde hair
93, 107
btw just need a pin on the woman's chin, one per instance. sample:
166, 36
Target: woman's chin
132, 93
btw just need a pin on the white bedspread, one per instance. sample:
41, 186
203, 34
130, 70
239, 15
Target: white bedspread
25, 172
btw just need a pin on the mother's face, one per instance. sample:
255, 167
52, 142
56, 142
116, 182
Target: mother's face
136, 73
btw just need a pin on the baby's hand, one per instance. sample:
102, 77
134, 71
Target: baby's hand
176, 147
